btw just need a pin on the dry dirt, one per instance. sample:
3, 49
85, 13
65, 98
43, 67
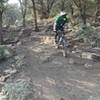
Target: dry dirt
56, 77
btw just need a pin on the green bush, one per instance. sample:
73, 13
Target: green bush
98, 30
18, 91
89, 33
2, 53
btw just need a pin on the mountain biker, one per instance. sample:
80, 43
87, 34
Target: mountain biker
59, 23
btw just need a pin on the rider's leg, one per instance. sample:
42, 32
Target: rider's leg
56, 35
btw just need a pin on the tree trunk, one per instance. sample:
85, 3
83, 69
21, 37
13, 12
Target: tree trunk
43, 14
62, 6
35, 16
45, 8
23, 5
83, 15
0, 19
24, 21
82, 8
72, 10
1, 37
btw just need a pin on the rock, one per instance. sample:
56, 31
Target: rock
78, 39
19, 57
6, 39
95, 24
3, 97
25, 32
9, 52
9, 40
7, 74
19, 43
16, 39
19, 61
86, 55
96, 57
34, 38
2, 78
10, 71
19, 64
98, 42
88, 66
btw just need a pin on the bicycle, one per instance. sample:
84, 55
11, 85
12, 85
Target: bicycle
61, 42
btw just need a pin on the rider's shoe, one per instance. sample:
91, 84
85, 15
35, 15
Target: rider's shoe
56, 41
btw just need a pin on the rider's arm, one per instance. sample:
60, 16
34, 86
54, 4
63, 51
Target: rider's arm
54, 26
56, 22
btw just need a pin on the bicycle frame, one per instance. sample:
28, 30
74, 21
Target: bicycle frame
61, 42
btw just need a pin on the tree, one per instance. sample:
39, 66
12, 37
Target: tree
23, 5
98, 4
35, 16
11, 15
97, 10
82, 6
2, 8
62, 4
45, 7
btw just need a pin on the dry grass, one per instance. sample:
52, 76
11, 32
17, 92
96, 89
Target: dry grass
47, 20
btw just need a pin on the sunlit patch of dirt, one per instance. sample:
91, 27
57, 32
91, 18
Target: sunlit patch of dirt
43, 90
47, 20
84, 83
96, 75
48, 40
37, 49
49, 97
79, 87
51, 81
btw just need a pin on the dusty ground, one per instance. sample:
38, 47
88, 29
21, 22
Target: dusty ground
54, 76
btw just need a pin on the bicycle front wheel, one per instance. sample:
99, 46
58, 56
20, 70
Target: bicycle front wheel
65, 51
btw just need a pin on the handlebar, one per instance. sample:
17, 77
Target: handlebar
60, 31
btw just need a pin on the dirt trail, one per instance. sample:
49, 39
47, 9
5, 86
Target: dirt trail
55, 77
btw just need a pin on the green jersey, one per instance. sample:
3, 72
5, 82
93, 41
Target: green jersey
61, 21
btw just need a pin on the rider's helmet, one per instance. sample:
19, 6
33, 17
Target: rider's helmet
62, 13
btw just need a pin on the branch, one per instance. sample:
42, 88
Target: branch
50, 4
75, 2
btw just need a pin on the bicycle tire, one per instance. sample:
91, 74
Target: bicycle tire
65, 53
61, 44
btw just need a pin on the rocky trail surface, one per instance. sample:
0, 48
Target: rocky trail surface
51, 75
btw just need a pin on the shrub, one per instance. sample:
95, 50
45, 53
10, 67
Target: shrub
89, 33
21, 90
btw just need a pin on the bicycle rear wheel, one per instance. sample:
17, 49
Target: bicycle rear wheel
65, 53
